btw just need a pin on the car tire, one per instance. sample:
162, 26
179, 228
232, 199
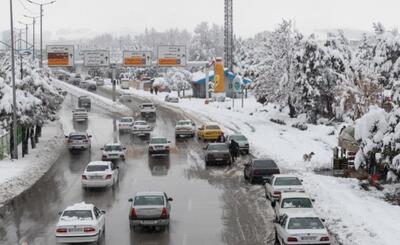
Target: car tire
251, 180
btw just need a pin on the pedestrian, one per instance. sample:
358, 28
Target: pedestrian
151, 90
234, 150
221, 138
156, 90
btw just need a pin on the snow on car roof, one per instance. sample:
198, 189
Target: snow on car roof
80, 206
305, 214
77, 133
211, 123
110, 144
294, 195
98, 163
149, 193
286, 175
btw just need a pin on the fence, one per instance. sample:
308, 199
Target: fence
4, 145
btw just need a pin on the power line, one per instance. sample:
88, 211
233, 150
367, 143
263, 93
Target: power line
25, 7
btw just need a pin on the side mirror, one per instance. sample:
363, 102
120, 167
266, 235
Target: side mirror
323, 220
273, 204
66, 137
90, 136
170, 199
103, 212
124, 148
301, 180
312, 200
130, 200
169, 141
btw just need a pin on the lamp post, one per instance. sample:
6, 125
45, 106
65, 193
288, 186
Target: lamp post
41, 27
14, 121
33, 35
26, 34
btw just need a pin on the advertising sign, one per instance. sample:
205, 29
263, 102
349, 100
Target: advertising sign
171, 55
96, 58
137, 58
219, 77
60, 55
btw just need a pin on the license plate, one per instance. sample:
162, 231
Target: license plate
149, 222
308, 238
96, 177
74, 229
219, 159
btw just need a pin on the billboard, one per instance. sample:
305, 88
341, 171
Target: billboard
96, 58
219, 77
60, 55
171, 55
137, 58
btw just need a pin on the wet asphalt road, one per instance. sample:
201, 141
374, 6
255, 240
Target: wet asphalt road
211, 206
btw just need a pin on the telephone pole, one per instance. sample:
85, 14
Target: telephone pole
33, 33
228, 35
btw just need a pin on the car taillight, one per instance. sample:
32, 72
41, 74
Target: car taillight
133, 214
84, 176
61, 230
324, 239
257, 172
69, 141
108, 176
292, 239
277, 193
164, 213
89, 229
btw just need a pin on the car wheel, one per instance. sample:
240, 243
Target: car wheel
251, 180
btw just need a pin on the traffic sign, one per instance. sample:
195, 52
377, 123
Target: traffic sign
137, 58
171, 55
96, 58
237, 84
60, 55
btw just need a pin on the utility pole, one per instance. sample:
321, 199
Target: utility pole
41, 27
26, 34
14, 121
228, 34
33, 35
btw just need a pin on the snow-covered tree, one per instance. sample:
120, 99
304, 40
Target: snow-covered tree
178, 79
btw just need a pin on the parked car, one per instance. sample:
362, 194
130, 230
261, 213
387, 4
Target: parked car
83, 85
91, 87
113, 151
209, 131
217, 153
78, 141
260, 170
185, 128
243, 142
292, 202
84, 102
150, 209
99, 81
81, 223
159, 146
141, 128
171, 98
100, 174
126, 124
280, 183
306, 228
125, 97
148, 110
80, 114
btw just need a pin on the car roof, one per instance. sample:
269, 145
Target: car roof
157, 137
305, 214
285, 175
140, 121
126, 117
98, 163
77, 133
149, 193
294, 195
211, 123
80, 206
148, 104
111, 144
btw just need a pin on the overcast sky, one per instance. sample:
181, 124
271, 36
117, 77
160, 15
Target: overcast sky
250, 16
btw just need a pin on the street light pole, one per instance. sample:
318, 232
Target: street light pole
33, 34
14, 121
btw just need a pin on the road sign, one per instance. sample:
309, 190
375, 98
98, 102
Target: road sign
60, 55
237, 84
96, 58
137, 58
171, 55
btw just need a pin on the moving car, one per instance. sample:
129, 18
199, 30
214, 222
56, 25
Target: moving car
217, 153
171, 98
100, 174
292, 202
302, 228
243, 142
125, 97
280, 183
185, 128
78, 141
80, 114
83, 84
148, 110
84, 102
150, 209
260, 170
126, 123
80, 223
99, 81
209, 131
92, 87
159, 146
113, 151
141, 128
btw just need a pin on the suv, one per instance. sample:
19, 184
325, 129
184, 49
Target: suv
217, 153
150, 209
159, 146
260, 170
80, 114
141, 128
113, 151
148, 110
185, 128
126, 123
78, 141
84, 102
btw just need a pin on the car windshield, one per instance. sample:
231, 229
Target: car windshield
77, 137
140, 123
77, 214
296, 203
126, 120
96, 168
184, 123
265, 164
212, 127
305, 223
238, 137
158, 141
217, 147
287, 181
112, 148
147, 106
148, 200
80, 110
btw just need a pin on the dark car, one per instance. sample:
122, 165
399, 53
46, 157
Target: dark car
217, 153
84, 102
92, 87
260, 170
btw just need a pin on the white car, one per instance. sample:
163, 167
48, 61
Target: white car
148, 110
159, 146
301, 229
185, 128
280, 183
126, 123
78, 141
291, 203
80, 223
100, 174
141, 128
79, 115
171, 98
113, 151
125, 97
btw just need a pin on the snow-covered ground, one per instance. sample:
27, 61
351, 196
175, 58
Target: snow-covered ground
353, 215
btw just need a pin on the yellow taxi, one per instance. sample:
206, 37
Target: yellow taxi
209, 131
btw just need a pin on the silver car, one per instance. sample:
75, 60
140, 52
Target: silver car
243, 142
151, 209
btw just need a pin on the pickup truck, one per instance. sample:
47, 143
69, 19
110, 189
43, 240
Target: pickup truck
79, 115
148, 110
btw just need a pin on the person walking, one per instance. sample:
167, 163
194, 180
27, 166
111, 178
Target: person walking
234, 150
221, 138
